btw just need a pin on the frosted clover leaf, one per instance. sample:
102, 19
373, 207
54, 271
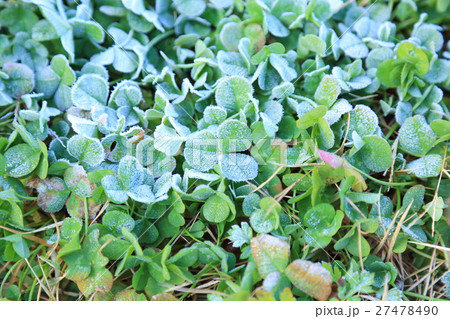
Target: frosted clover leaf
156, 162
234, 135
363, 120
168, 140
328, 91
231, 63
376, 153
415, 136
200, 151
238, 167
132, 181
427, 166
233, 93
90, 90
87, 150
214, 115
21, 160
203, 150
353, 46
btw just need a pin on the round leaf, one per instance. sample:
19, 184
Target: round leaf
376, 153
311, 278
21, 160
415, 136
216, 209
86, 149
235, 136
90, 90
233, 93
270, 253
238, 167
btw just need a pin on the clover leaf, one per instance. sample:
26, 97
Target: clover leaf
322, 222
21, 160
86, 149
415, 136
233, 93
132, 181
89, 91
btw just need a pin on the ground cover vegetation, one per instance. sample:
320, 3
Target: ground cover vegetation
224, 150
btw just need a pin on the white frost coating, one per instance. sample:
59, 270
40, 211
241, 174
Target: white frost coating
327, 91
269, 126
235, 135
126, 93
163, 184
86, 149
376, 153
182, 130
271, 254
272, 241
142, 194
353, 46
271, 281
200, 151
240, 235
250, 203
232, 63
427, 166
363, 120
167, 140
338, 109
261, 223
90, 90
233, 93
274, 110
130, 172
238, 167
195, 174
21, 160
114, 189
403, 111
377, 56
415, 136
302, 108
214, 115
359, 82
281, 65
